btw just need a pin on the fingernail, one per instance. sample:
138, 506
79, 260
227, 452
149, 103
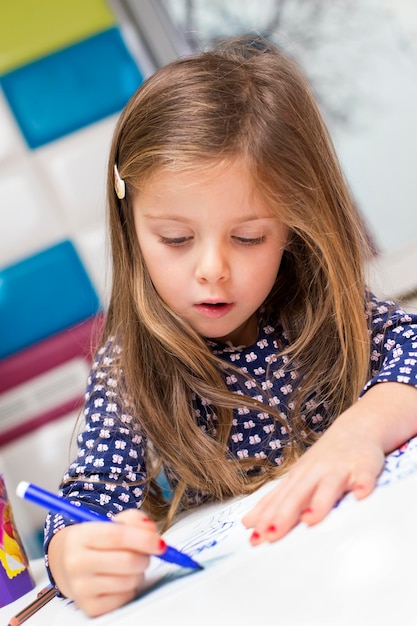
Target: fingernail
255, 536
307, 511
146, 519
162, 545
271, 529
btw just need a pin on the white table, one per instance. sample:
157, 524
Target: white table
356, 568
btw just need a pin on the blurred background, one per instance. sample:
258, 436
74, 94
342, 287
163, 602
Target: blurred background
67, 68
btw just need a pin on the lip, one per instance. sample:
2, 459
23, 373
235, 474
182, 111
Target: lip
214, 309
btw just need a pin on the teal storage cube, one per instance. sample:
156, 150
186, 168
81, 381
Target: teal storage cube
72, 88
42, 295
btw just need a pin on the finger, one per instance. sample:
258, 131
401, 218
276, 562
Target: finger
277, 517
364, 485
327, 493
105, 584
277, 495
134, 517
274, 524
80, 565
140, 537
118, 563
250, 519
309, 501
97, 605
280, 510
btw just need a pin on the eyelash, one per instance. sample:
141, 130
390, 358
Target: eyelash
250, 241
177, 242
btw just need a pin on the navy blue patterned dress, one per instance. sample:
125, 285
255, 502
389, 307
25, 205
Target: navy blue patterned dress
112, 450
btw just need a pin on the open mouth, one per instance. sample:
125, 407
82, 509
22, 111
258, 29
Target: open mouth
214, 309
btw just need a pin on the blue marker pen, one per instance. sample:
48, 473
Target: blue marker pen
50, 501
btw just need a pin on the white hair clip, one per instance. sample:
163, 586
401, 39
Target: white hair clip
119, 184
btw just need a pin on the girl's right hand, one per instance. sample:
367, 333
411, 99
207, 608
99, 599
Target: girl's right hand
102, 566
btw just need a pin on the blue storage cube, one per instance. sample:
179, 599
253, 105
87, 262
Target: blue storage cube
72, 88
42, 295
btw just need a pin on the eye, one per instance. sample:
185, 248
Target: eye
250, 241
175, 242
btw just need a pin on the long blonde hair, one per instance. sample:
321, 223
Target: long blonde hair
246, 99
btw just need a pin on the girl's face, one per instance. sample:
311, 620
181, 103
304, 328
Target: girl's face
211, 247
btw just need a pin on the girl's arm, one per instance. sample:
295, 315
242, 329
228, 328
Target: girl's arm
102, 566
348, 457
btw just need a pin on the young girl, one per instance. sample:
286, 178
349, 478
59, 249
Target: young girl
241, 343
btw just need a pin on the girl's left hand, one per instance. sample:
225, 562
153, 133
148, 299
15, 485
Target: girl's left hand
344, 459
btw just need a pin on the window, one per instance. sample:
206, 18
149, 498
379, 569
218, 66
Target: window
361, 57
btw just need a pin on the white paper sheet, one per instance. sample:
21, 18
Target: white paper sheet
355, 567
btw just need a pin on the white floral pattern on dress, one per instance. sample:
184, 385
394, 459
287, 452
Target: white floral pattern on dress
112, 449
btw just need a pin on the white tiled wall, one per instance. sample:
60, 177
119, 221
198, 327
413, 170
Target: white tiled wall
49, 194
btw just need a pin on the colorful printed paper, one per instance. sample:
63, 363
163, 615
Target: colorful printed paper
15, 576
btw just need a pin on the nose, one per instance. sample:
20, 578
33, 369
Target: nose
212, 265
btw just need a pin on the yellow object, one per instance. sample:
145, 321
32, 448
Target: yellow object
31, 29
12, 558
12, 553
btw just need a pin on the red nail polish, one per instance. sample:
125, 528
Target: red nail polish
146, 519
162, 545
255, 536
271, 529
307, 511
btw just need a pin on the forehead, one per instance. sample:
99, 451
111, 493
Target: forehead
199, 177
225, 185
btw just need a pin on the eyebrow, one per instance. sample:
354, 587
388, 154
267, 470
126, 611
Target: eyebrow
181, 218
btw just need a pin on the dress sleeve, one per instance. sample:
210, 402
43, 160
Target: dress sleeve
394, 344
109, 472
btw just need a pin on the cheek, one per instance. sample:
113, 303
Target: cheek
166, 277
265, 269
151, 260
152, 253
